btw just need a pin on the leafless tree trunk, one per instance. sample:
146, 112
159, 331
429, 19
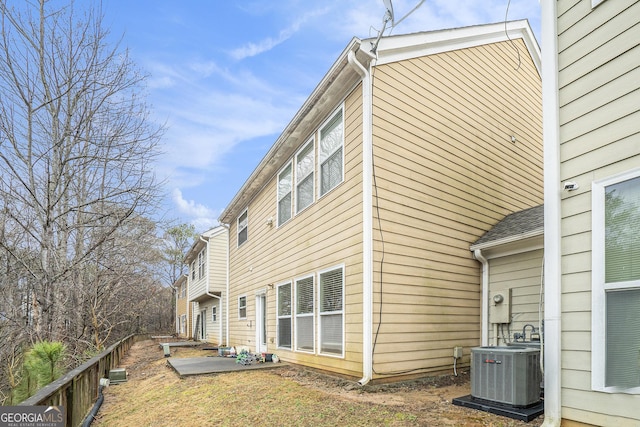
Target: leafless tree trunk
76, 152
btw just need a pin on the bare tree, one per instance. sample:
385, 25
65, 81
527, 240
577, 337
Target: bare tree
76, 151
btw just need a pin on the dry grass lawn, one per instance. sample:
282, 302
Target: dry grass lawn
154, 395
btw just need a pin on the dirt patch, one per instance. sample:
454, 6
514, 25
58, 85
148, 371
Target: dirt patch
290, 395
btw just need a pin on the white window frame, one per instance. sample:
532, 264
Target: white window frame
279, 197
214, 313
183, 323
285, 317
319, 160
311, 315
328, 313
193, 270
598, 285
202, 267
311, 175
245, 227
242, 306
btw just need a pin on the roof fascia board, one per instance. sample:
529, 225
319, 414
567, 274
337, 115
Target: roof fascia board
408, 46
297, 130
523, 242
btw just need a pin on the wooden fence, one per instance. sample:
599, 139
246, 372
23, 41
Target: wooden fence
78, 389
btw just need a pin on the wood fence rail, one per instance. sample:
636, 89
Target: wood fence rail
77, 390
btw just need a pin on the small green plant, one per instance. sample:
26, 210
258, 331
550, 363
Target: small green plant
41, 365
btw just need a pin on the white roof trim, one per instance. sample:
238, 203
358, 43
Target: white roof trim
407, 46
507, 240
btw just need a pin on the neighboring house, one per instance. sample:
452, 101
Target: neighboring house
511, 254
183, 314
349, 243
207, 285
592, 211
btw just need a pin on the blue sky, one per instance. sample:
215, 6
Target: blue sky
228, 76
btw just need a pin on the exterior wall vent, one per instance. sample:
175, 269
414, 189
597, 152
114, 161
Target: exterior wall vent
507, 375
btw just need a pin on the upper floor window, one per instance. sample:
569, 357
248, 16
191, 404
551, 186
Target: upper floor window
202, 265
193, 270
284, 195
330, 153
243, 228
305, 164
616, 283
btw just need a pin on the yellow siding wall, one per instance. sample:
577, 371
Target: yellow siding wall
328, 233
446, 172
599, 77
522, 273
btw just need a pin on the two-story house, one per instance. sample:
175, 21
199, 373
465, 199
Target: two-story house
349, 243
207, 285
592, 211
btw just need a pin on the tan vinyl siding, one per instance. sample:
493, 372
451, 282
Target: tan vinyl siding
522, 273
446, 172
217, 262
326, 234
599, 77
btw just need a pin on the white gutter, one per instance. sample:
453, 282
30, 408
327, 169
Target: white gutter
367, 220
552, 214
484, 303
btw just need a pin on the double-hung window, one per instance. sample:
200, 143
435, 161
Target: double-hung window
616, 283
331, 311
305, 164
214, 313
330, 153
284, 195
202, 263
305, 326
193, 270
284, 315
243, 223
242, 307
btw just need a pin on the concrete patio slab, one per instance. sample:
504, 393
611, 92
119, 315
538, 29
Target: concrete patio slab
181, 344
213, 365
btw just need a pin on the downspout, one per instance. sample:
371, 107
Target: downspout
552, 216
226, 298
367, 220
484, 304
206, 289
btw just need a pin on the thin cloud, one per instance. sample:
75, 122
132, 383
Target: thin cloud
265, 45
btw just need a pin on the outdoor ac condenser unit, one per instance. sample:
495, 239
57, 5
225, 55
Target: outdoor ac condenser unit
507, 375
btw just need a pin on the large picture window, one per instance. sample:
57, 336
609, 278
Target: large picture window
331, 311
616, 283
284, 315
330, 153
305, 336
284, 195
305, 164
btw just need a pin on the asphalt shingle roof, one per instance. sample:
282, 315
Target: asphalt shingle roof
515, 224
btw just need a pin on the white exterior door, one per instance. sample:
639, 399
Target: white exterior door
261, 323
